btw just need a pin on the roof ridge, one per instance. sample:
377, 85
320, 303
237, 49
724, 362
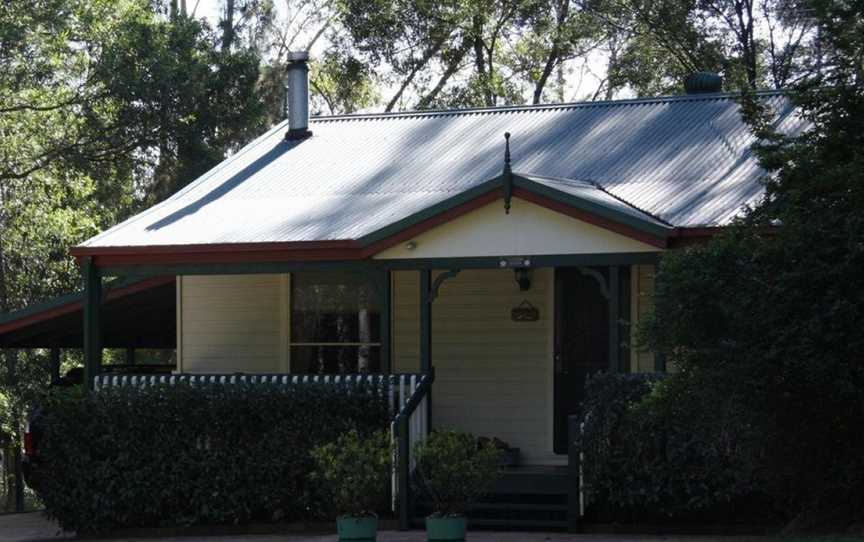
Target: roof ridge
601, 188
541, 107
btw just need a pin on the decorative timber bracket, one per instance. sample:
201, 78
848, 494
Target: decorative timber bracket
601, 280
439, 280
507, 175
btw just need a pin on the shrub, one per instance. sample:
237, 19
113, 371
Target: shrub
651, 443
356, 469
769, 327
453, 470
185, 455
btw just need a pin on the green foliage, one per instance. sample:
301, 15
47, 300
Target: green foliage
771, 313
186, 455
453, 470
356, 469
657, 444
105, 106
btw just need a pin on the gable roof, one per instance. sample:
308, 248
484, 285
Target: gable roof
678, 162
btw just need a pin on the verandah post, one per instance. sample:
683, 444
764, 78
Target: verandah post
386, 321
614, 317
55, 365
403, 474
574, 490
92, 321
426, 334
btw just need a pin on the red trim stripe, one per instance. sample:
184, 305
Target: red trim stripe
350, 249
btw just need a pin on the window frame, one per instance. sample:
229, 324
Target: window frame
290, 343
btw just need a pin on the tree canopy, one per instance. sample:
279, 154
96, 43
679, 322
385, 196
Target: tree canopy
771, 312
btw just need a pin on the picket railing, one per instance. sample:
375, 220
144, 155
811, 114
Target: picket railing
401, 386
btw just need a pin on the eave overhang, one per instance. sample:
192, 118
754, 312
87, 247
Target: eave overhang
633, 223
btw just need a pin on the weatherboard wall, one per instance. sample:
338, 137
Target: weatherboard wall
492, 375
232, 323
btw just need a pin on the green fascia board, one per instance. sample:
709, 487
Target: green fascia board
431, 211
30, 310
407, 264
649, 225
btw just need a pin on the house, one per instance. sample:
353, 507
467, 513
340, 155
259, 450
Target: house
510, 249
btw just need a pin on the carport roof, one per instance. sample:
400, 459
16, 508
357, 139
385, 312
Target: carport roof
138, 314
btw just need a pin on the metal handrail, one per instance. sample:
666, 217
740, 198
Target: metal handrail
412, 419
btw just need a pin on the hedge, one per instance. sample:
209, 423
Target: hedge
182, 455
654, 444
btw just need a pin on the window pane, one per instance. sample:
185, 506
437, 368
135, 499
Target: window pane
334, 307
335, 359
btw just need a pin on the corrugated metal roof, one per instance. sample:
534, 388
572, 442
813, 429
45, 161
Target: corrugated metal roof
683, 161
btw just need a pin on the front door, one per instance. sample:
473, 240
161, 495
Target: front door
581, 339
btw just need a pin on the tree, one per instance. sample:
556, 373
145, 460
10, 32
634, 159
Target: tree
772, 312
105, 106
754, 43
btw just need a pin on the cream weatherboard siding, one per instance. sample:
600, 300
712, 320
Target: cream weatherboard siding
642, 303
529, 229
492, 375
232, 323
406, 321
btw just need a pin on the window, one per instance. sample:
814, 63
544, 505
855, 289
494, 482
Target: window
335, 323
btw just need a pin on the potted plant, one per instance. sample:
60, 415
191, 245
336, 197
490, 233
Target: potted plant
355, 468
453, 470
509, 455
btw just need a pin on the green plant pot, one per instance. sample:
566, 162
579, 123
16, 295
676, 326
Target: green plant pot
440, 529
357, 529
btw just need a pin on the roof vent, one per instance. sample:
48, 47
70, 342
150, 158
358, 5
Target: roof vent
703, 83
298, 95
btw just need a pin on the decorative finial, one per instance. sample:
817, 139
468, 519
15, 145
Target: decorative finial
507, 150
507, 176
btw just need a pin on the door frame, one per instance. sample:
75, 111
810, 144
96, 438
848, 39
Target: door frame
620, 296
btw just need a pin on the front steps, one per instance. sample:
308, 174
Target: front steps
524, 498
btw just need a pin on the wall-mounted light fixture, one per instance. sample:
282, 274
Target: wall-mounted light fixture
523, 278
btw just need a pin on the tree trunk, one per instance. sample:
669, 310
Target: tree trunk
451, 69
552, 60
228, 26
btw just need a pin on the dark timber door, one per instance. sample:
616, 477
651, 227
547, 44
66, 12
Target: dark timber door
581, 339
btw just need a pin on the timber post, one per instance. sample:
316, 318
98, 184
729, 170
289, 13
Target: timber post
55, 365
403, 473
426, 333
92, 322
574, 478
614, 284
386, 321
